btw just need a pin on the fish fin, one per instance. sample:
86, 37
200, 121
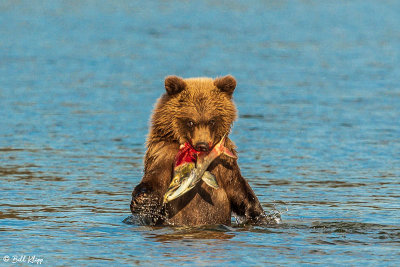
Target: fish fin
210, 180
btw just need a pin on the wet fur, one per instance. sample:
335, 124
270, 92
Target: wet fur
202, 100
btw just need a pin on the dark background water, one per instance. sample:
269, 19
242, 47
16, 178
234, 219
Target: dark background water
318, 134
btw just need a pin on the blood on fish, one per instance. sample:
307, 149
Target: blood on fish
186, 154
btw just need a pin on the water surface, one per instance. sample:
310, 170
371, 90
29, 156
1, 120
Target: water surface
318, 133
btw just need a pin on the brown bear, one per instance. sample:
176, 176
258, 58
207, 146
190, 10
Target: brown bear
199, 111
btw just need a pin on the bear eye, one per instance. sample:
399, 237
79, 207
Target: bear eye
211, 122
190, 124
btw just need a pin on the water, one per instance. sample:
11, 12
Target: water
318, 133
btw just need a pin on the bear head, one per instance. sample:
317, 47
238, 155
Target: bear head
199, 111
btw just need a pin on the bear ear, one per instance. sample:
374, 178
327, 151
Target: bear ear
226, 84
174, 85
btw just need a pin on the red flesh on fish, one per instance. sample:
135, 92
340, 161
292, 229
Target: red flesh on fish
186, 154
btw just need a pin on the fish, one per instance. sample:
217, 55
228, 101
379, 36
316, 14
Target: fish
191, 167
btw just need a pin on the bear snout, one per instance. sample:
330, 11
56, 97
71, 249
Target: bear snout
202, 147
202, 138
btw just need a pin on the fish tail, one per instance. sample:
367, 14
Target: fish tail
226, 150
228, 153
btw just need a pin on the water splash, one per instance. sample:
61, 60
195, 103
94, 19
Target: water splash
268, 218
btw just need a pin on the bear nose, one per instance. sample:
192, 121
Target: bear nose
201, 146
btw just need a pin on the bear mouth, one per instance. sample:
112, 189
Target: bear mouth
202, 147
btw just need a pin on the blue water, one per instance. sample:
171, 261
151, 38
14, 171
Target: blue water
318, 133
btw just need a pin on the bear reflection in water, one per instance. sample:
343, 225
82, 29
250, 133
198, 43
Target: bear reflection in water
198, 111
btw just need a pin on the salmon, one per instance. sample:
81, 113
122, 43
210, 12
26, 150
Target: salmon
191, 167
